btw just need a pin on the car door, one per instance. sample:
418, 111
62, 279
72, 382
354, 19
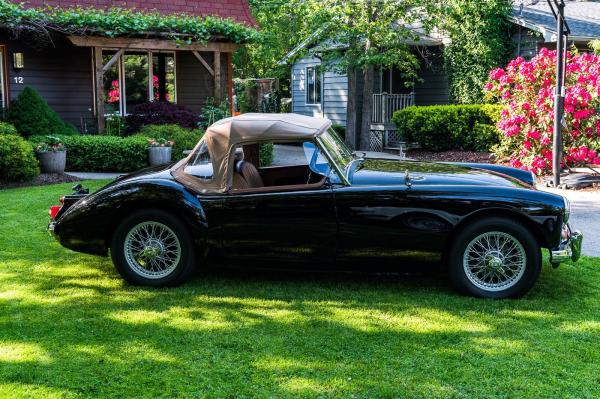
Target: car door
385, 226
275, 228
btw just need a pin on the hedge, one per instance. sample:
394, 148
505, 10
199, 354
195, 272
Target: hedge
450, 127
103, 153
17, 160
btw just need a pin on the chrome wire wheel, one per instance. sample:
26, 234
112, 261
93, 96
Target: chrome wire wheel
494, 261
152, 250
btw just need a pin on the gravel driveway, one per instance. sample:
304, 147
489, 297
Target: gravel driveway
585, 216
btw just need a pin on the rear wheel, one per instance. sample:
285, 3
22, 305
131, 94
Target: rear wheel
495, 258
152, 247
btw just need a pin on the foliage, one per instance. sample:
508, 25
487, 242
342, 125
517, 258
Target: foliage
271, 102
265, 153
527, 88
17, 160
115, 125
116, 22
160, 143
89, 153
183, 139
242, 89
30, 114
450, 127
479, 31
425, 340
161, 113
51, 144
213, 112
8, 128
594, 45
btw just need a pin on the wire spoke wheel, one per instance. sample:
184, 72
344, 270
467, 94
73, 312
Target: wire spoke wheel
494, 261
152, 250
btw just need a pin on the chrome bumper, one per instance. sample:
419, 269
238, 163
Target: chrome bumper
51, 230
569, 249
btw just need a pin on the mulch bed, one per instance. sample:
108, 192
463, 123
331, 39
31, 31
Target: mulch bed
42, 180
450, 156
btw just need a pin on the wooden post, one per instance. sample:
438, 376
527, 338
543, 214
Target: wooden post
217, 76
230, 83
99, 88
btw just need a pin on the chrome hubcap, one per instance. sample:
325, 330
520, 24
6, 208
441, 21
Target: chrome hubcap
494, 261
152, 250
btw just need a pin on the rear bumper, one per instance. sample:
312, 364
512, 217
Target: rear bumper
569, 248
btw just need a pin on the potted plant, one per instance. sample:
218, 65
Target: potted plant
159, 151
52, 155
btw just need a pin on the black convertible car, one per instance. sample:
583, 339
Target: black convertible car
326, 208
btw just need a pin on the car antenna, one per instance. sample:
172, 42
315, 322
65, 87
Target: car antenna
407, 179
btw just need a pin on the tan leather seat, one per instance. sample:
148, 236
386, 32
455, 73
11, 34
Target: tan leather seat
250, 178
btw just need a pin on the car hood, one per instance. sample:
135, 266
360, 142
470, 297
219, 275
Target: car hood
393, 172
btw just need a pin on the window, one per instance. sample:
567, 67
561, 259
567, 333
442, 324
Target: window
127, 83
313, 85
200, 164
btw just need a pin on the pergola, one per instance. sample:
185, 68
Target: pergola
123, 44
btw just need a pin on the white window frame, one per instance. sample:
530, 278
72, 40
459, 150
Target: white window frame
318, 77
121, 70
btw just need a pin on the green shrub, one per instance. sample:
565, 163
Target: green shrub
87, 153
32, 115
17, 160
265, 154
183, 139
8, 128
450, 127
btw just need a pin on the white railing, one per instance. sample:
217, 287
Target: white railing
384, 105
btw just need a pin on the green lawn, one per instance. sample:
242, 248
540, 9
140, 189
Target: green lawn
70, 327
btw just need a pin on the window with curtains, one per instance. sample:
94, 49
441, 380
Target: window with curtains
313, 85
138, 77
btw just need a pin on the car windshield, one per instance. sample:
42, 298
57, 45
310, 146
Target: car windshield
336, 148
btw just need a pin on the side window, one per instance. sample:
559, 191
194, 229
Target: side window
200, 165
313, 85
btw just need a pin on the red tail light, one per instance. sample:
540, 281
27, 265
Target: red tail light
54, 210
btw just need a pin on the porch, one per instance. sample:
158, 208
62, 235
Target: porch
384, 136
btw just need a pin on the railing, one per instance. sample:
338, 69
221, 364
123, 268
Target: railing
384, 105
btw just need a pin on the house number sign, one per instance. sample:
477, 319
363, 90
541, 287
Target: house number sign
18, 79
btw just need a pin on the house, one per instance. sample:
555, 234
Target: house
534, 25
88, 75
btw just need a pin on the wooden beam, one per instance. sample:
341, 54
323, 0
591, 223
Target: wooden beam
203, 62
99, 88
217, 75
149, 44
112, 61
230, 82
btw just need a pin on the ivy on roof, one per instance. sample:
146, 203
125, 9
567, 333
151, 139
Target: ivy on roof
119, 22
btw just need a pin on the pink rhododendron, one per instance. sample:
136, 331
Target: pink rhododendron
526, 88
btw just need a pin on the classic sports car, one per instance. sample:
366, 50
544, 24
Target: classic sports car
323, 208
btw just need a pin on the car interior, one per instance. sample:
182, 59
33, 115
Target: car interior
298, 164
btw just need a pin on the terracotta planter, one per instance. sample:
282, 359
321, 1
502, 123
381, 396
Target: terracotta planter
159, 155
52, 161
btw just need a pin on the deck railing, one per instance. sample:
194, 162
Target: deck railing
384, 105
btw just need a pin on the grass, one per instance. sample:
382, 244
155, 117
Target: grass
70, 327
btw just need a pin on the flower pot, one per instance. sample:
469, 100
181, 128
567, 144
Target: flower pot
52, 161
159, 155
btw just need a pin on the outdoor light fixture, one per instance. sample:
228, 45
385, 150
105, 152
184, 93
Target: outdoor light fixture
18, 61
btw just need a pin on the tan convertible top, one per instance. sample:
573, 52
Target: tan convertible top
223, 136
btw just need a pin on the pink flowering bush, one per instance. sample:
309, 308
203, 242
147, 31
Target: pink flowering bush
526, 89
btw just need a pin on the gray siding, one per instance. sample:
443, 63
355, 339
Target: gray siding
62, 75
434, 89
334, 93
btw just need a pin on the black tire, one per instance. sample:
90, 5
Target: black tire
520, 283
179, 271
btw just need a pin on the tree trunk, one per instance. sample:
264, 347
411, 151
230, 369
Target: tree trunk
367, 108
351, 126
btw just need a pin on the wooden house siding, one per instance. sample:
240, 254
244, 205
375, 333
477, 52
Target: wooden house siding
62, 75
433, 88
334, 93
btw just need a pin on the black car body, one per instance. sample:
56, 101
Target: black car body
371, 209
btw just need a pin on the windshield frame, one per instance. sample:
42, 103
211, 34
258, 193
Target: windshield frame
341, 170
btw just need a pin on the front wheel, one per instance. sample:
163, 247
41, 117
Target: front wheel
154, 248
495, 258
